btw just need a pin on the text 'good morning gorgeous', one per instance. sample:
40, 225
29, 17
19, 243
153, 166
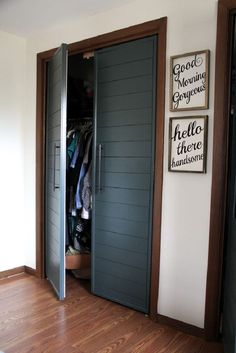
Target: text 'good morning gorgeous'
188, 80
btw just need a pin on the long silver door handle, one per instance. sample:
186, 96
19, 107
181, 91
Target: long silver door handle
55, 186
99, 167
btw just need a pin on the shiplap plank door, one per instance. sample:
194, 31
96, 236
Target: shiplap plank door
123, 172
55, 174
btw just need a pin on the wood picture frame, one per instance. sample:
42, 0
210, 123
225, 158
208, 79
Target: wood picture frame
188, 144
189, 81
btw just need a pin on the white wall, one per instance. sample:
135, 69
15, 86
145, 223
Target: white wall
12, 85
186, 197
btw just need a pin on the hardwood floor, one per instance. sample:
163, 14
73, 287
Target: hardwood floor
33, 320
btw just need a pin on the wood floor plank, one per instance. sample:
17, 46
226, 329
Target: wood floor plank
32, 320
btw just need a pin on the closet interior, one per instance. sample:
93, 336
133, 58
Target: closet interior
80, 98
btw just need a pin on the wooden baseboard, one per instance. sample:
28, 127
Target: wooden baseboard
12, 272
31, 271
179, 325
16, 271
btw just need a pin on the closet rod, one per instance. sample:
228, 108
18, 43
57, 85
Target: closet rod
80, 119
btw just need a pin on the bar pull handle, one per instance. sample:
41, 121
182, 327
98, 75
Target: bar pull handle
234, 200
56, 148
100, 167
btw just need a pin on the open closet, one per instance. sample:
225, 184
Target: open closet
99, 172
80, 97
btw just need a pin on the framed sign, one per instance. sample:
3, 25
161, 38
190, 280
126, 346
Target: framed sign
189, 81
188, 144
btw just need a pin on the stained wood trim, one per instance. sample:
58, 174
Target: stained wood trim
158, 181
40, 162
219, 172
156, 27
12, 272
122, 35
227, 4
180, 326
30, 271
16, 271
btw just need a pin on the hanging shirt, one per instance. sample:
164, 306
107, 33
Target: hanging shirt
72, 146
82, 173
87, 194
75, 155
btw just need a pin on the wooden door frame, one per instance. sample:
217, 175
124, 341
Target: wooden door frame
158, 28
220, 168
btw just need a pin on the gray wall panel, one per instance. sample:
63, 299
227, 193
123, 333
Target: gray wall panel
125, 257
124, 118
121, 285
127, 149
122, 241
126, 180
129, 197
127, 52
125, 133
125, 102
122, 226
126, 165
55, 171
122, 271
122, 212
119, 297
128, 70
119, 210
55, 119
54, 99
127, 86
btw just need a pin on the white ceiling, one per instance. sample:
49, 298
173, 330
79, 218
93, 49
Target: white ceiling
26, 17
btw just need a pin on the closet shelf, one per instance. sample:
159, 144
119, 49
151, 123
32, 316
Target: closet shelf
77, 261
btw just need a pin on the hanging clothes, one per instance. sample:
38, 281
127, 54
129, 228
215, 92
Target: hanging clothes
83, 171
79, 194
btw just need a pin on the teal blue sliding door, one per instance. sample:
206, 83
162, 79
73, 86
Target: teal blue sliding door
55, 171
124, 125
